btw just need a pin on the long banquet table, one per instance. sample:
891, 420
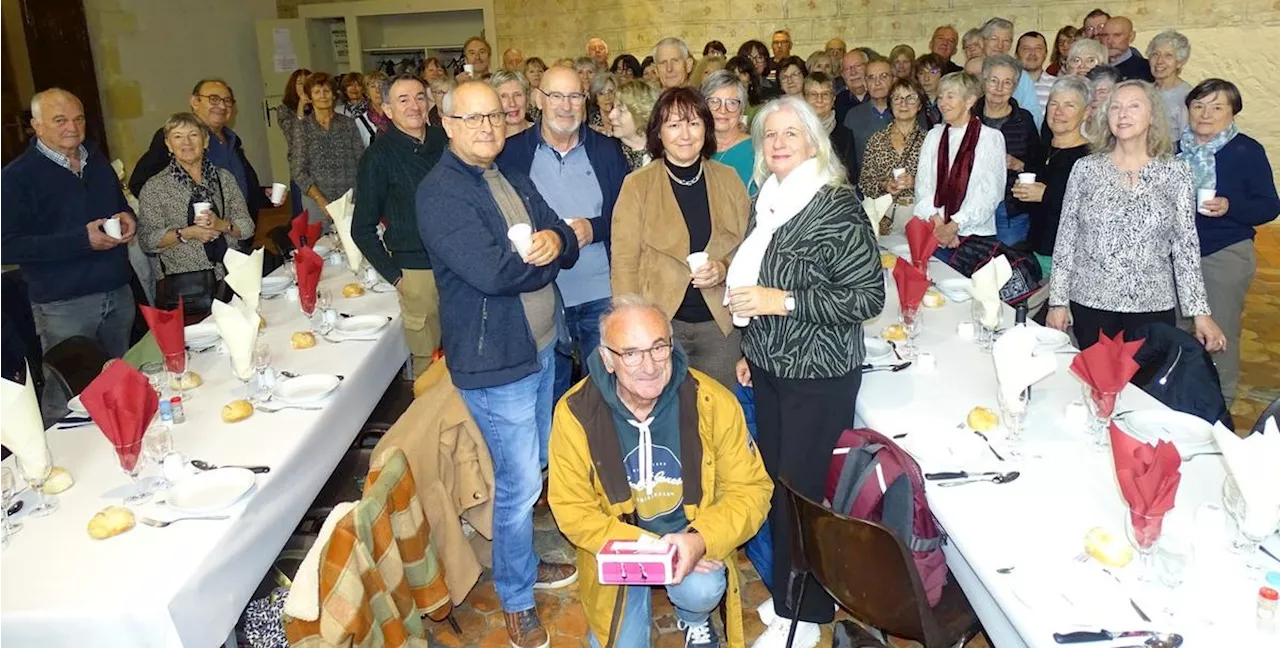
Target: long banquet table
1036, 524
186, 584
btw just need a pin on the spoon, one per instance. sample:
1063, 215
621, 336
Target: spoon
1166, 640
204, 465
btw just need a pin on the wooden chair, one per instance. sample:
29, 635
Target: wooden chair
867, 569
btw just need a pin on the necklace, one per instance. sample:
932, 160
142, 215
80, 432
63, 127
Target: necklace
685, 183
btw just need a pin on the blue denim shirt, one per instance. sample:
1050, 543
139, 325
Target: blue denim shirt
567, 182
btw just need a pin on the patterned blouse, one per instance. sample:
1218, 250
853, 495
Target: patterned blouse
880, 159
636, 158
1125, 249
165, 204
328, 159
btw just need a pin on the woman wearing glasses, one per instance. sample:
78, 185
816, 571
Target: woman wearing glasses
328, 149
819, 93
999, 110
791, 74
682, 203
758, 54
889, 163
727, 99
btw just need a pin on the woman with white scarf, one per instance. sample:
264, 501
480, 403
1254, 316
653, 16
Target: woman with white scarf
803, 281
1236, 168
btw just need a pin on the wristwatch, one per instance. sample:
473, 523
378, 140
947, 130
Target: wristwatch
789, 303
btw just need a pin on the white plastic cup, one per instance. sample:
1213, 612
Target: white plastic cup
291, 293
277, 193
521, 236
202, 207
112, 228
697, 260
468, 68
898, 173
1026, 178
1202, 195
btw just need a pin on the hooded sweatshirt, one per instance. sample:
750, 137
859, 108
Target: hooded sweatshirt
650, 448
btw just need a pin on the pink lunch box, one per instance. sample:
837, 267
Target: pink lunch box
626, 562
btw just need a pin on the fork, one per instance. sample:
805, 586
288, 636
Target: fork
160, 524
272, 409
1082, 557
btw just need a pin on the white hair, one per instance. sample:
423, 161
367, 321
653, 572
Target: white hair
1072, 83
632, 301
830, 168
1084, 46
992, 25
1181, 44
990, 63
672, 40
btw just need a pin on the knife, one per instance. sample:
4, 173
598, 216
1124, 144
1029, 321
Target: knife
959, 474
1101, 635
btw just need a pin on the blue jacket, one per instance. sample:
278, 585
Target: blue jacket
480, 278
607, 160
1177, 371
1245, 180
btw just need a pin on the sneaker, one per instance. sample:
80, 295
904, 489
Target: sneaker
701, 635
775, 636
555, 575
524, 630
766, 612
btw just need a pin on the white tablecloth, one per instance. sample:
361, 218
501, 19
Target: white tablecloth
1037, 523
185, 585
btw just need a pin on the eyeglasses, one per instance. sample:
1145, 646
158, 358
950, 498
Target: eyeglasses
792, 76
906, 100
474, 120
633, 358
559, 97
715, 103
756, 56
217, 100
817, 96
885, 76
997, 84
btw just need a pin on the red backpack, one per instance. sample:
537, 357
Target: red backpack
872, 478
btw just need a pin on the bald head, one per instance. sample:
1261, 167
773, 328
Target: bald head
1117, 35
57, 117
632, 333
563, 116
475, 122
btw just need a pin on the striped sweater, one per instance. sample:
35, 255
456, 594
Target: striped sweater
826, 257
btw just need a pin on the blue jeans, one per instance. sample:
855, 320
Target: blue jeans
693, 599
106, 317
1011, 230
515, 420
583, 322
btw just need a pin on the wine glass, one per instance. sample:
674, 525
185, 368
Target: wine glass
261, 364
1101, 405
1013, 414
324, 302
36, 475
911, 321
1245, 537
982, 334
158, 444
1143, 532
176, 363
8, 488
130, 455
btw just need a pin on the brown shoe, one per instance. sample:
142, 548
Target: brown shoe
524, 630
555, 575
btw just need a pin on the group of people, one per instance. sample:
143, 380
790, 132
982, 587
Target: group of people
695, 225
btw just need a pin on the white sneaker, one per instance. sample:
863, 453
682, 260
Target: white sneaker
766, 612
775, 636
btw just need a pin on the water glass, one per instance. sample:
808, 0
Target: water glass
912, 321
156, 374
176, 364
1013, 414
8, 489
261, 364
130, 458
36, 477
1101, 406
1176, 554
1245, 539
983, 335
1144, 532
156, 445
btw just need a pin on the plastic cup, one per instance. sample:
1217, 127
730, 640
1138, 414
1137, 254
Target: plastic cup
521, 236
697, 260
898, 173
277, 193
1026, 178
202, 207
112, 228
1202, 195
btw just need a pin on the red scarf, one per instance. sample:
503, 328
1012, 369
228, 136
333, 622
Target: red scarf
953, 182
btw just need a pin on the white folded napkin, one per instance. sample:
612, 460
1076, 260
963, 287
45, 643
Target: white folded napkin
1016, 365
875, 209
341, 210
987, 282
21, 427
1252, 462
304, 595
244, 275
238, 327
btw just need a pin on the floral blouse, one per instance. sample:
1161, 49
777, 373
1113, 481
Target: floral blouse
880, 159
165, 204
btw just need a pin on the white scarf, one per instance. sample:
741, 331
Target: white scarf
777, 203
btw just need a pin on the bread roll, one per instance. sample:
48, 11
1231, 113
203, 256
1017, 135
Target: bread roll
933, 298
888, 260
352, 290
110, 521
303, 340
1108, 548
894, 332
982, 419
188, 380
59, 480
236, 410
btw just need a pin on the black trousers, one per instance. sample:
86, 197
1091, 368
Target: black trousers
1087, 322
798, 422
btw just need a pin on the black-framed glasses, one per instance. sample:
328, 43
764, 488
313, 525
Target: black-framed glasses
633, 358
474, 120
730, 105
559, 97
218, 100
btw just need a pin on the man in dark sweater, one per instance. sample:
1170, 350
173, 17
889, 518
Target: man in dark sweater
57, 197
1117, 35
499, 319
390, 171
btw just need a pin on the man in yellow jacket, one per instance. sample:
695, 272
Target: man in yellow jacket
646, 446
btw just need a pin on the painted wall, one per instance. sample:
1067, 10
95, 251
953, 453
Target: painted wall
149, 53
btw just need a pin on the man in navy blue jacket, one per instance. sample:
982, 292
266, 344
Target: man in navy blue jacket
499, 317
57, 197
579, 172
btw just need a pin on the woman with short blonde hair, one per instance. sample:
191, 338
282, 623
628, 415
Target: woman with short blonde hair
632, 105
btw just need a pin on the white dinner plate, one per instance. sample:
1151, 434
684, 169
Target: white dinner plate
203, 330
902, 250
275, 285
1189, 433
1049, 339
305, 389
1076, 594
322, 249
211, 490
877, 349
76, 406
361, 325
956, 290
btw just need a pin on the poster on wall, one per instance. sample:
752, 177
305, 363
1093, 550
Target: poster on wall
283, 57
338, 35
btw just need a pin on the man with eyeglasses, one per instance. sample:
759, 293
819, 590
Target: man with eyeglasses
853, 71
873, 114
997, 38
579, 173
781, 47
213, 103
1093, 23
674, 62
499, 323
629, 448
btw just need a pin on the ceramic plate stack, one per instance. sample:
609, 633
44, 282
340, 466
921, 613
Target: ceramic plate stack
955, 290
1049, 340
1189, 433
275, 285
202, 336
360, 327
877, 350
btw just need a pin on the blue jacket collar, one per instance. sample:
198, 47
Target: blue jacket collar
452, 160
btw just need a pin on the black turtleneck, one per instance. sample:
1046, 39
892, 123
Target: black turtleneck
696, 210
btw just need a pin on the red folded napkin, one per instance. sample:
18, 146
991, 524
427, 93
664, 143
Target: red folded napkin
166, 327
309, 266
922, 242
302, 233
912, 283
1148, 476
1106, 367
122, 403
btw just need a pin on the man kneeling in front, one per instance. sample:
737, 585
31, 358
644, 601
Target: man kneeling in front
647, 446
